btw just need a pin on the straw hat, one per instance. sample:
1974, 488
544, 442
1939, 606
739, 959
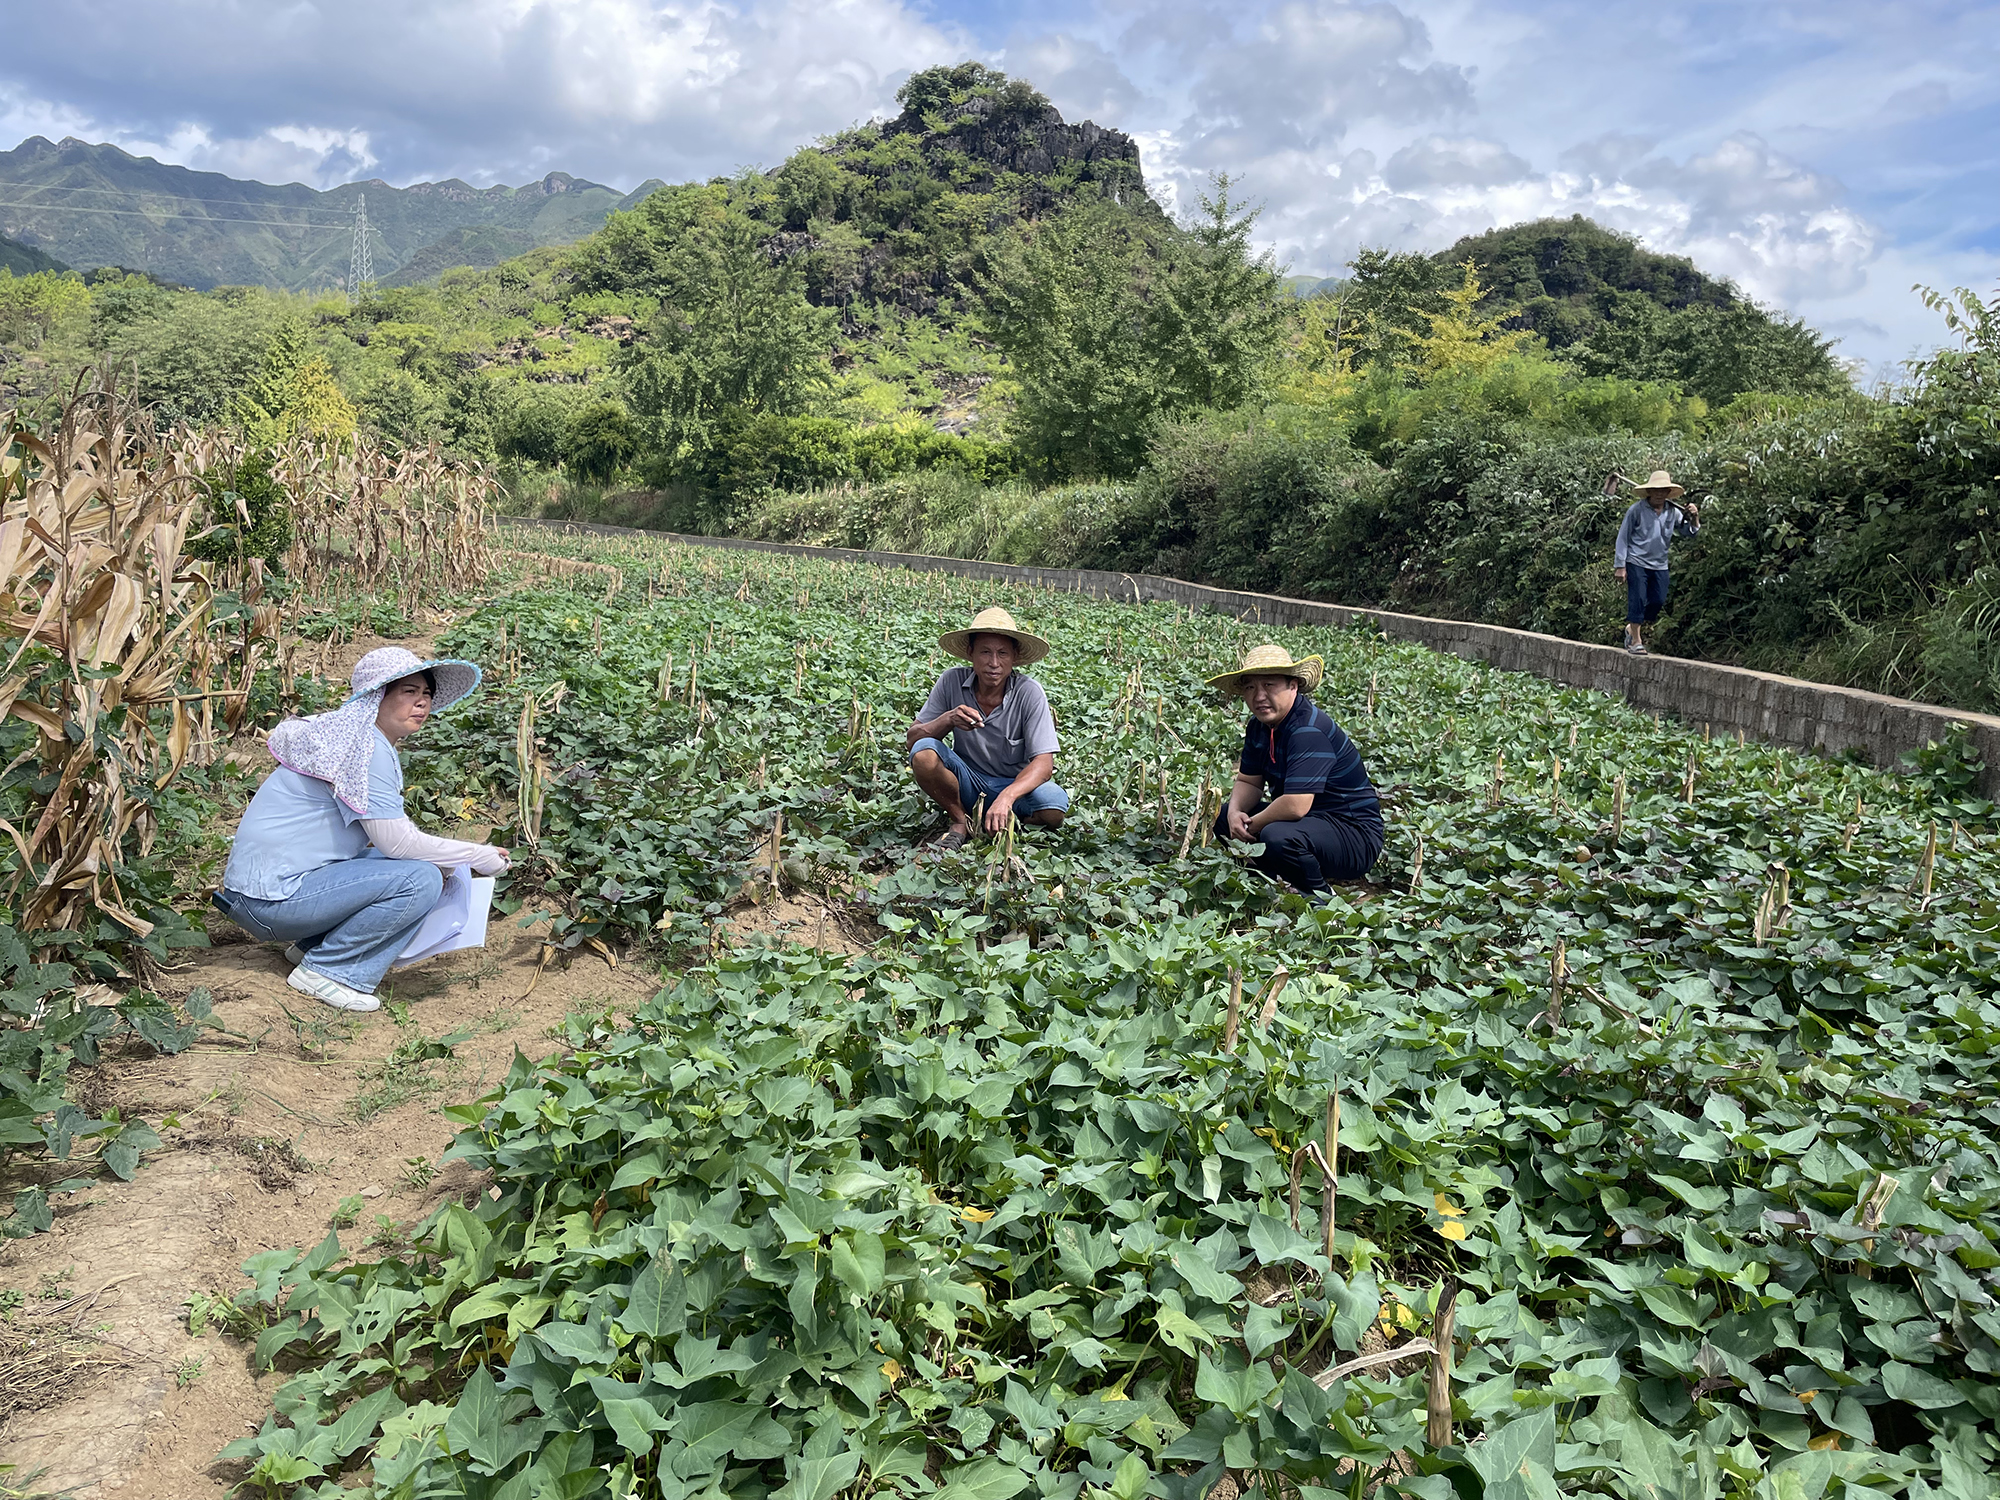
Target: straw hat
1660, 480
1271, 661
386, 664
994, 621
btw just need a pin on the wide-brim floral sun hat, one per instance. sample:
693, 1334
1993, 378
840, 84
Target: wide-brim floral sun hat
337, 747
456, 680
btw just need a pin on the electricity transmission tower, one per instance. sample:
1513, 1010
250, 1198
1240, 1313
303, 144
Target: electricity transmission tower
360, 261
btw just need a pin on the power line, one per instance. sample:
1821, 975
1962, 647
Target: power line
141, 193
140, 213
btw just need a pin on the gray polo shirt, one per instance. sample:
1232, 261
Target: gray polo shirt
1013, 734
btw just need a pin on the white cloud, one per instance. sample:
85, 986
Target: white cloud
1308, 73
1463, 161
489, 90
1081, 77
314, 155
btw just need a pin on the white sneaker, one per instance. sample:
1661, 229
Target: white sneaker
295, 955
330, 991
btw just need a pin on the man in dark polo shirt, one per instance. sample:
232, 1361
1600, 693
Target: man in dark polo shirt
1321, 820
1003, 749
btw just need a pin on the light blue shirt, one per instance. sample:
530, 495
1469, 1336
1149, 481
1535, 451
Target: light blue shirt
1644, 534
295, 825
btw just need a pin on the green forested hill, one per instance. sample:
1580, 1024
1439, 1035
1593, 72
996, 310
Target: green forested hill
1618, 307
1603, 301
26, 260
94, 205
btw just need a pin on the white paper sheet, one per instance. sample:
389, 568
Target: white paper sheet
457, 921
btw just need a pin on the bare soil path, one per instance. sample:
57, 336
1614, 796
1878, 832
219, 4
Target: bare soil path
277, 1130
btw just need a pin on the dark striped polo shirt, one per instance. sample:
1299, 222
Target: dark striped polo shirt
1311, 753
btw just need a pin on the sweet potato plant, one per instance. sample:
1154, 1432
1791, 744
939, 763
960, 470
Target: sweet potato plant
1670, 1059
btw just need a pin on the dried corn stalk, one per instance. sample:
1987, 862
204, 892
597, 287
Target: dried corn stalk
114, 652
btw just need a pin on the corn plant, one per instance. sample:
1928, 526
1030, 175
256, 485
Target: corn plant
120, 656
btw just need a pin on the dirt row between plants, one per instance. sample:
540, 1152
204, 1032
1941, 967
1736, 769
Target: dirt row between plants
298, 1119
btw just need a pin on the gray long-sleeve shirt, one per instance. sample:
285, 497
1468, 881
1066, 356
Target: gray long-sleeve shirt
1644, 533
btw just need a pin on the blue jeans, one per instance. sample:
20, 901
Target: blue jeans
352, 917
1645, 594
973, 785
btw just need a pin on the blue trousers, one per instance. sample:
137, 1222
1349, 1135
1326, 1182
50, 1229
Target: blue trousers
1645, 594
1316, 850
973, 785
352, 917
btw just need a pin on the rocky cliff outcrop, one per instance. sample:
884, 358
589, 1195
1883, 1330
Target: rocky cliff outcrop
1003, 137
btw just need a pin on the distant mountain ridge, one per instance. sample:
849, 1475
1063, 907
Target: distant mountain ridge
97, 205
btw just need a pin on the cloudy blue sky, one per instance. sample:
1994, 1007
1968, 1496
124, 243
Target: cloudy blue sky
1826, 153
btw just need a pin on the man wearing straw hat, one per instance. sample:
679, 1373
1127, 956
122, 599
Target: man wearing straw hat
1321, 820
1639, 560
1003, 749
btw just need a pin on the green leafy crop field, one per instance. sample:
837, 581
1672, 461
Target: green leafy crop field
1672, 1059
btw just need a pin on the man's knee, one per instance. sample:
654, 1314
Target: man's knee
1048, 817
1284, 837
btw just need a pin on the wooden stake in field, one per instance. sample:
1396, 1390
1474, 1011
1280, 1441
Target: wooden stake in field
1555, 783
1687, 785
528, 793
1437, 1395
1235, 1016
1558, 976
1331, 1166
1853, 827
666, 682
1268, 1011
1872, 1209
1499, 774
1417, 867
1929, 863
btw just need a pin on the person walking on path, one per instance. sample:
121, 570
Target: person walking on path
326, 858
1639, 561
1003, 736
1301, 789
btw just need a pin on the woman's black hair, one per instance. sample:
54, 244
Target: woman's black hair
429, 677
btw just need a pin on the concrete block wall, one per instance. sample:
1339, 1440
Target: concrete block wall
1811, 716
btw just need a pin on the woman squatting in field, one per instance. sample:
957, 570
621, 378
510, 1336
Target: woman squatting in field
326, 859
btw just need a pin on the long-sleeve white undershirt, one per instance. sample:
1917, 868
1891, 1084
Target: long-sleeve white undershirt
399, 838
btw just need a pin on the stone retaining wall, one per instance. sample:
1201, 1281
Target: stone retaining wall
1777, 710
